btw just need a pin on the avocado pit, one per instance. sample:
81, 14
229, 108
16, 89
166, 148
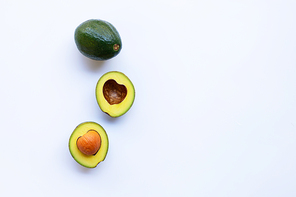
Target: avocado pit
113, 92
89, 143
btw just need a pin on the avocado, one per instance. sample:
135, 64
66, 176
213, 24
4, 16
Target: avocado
115, 93
88, 144
97, 39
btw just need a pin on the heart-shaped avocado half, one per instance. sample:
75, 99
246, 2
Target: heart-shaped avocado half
115, 93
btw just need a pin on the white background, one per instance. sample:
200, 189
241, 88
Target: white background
215, 107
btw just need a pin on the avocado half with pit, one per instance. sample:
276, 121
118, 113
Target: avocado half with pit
115, 93
89, 144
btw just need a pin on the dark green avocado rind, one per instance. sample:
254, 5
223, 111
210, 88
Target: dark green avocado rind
96, 39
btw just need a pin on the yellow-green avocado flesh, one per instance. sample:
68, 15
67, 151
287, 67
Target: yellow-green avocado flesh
115, 93
90, 161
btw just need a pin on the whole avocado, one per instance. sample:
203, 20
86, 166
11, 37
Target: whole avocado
98, 39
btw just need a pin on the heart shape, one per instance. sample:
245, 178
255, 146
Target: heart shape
113, 92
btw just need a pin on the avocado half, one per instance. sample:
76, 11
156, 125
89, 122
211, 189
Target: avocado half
97, 39
89, 161
115, 93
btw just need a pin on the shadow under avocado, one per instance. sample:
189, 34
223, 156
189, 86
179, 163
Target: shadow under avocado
86, 170
92, 65
109, 118
83, 169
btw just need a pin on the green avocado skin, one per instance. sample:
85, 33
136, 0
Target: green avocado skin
96, 39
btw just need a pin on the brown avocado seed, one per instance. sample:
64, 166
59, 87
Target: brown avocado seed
89, 143
113, 92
